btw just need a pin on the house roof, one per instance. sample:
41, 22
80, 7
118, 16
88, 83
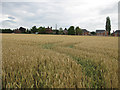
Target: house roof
55, 30
84, 30
99, 31
117, 31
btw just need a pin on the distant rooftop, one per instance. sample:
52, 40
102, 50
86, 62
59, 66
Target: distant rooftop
100, 30
84, 30
117, 31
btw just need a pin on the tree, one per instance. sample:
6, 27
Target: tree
108, 25
28, 31
71, 30
78, 31
61, 31
93, 33
6, 31
57, 31
41, 30
22, 29
34, 29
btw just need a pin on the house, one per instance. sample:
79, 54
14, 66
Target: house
116, 33
55, 31
85, 32
65, 31
16, 31
23, 30
101, 33
49, 30
20, 30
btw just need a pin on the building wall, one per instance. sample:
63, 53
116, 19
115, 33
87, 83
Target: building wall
117, 34
17, 31
85, 33
102, 33
65, 32
48, 30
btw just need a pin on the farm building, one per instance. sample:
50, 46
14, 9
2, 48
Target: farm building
116, 33
85, 32
101, 33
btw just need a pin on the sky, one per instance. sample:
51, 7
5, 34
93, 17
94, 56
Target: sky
87, 14
119, 15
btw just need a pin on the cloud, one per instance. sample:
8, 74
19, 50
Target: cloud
84, 13
110, 9
12, 18
119, 15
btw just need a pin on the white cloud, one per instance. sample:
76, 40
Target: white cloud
89, 14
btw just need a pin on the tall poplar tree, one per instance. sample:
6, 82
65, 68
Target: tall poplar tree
108, 25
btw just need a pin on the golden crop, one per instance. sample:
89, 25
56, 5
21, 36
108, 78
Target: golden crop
58, 61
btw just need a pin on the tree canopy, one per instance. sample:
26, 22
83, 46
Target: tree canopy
108, 25
61, 31
41, 30
6, 31
71, 30
34, 29
78, 31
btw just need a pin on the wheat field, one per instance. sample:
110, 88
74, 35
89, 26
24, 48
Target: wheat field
59, 61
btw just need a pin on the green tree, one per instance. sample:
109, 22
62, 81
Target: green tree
57, 31
93, 33
6, 31
78, 31
61, 31
23, 30
27, 31
108, 25
34, 29
42, 30
71, 30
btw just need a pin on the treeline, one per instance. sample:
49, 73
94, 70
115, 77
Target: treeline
43, 30
70, 31
6, 31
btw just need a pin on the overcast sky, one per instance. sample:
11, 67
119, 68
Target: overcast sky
87, 14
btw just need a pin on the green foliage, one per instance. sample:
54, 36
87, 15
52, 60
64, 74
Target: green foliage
41, 30
34, 29
108, 25
61, 31
28, 31
6, 31
23, 30
71, 46
57, 32
93, 33
71, 30
94, 71
78, 31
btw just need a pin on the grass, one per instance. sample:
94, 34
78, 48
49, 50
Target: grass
56, 61
71, 46
48, 46
93, 71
